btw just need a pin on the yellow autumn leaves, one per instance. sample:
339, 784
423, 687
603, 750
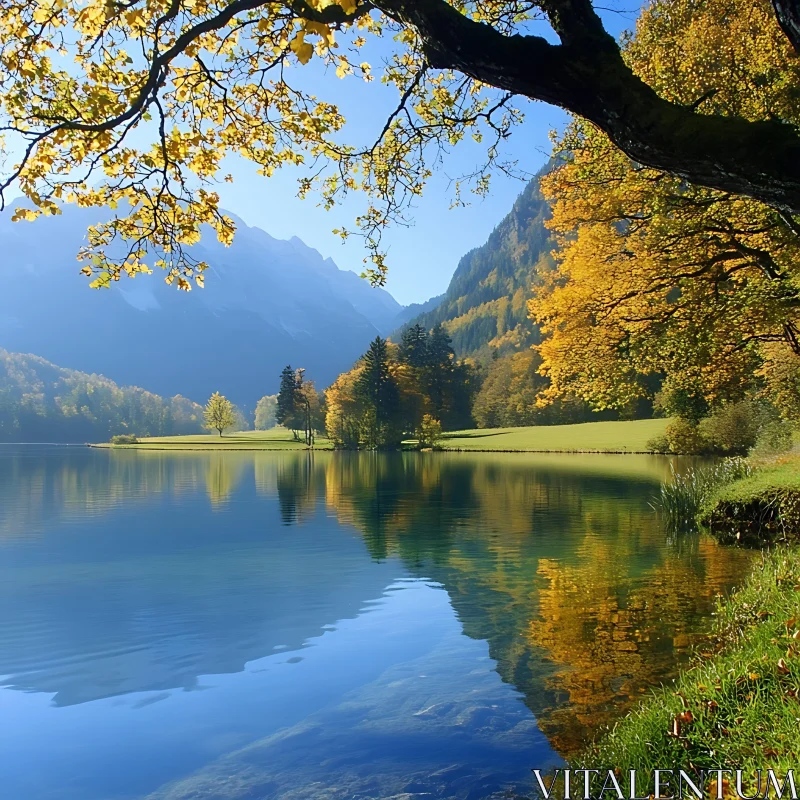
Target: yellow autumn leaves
134, 107
657, 278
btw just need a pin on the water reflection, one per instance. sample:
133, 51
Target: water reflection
135, 572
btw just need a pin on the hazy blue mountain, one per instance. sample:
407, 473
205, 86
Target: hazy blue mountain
485, 305
267, 302
415, 309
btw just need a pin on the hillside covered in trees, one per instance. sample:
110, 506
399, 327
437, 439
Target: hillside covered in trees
485, 307
485, 313
41, 402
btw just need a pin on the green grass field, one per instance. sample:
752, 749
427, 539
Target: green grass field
588, 437
275, 439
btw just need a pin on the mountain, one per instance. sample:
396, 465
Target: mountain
416, 309
267, 303
485, 306
40, 402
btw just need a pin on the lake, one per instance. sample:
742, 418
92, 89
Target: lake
328, 626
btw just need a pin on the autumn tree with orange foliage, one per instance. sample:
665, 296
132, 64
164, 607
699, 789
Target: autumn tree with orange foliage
658, 277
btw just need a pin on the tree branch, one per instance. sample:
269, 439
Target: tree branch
587, 75
788, 14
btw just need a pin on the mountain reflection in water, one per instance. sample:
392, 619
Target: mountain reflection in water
340, 624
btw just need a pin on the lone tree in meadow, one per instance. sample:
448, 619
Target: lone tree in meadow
103, 102
219, 413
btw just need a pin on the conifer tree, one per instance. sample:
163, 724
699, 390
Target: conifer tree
414, 346
287, 398
377, 391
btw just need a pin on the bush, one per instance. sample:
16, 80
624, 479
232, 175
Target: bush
658, 444
774, 438
429, 432
124, 438
734, 428
684, 438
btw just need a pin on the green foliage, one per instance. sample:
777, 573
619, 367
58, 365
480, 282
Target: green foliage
287, 403
42, 402
414, 346
684, 438
508, 396
681, 402
734, 428
124, 438
266, 412
774, 438
377, 392
219, 413
387, 394
736, 706
658, 444
759, 508
429, 433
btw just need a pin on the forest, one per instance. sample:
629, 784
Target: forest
40, 402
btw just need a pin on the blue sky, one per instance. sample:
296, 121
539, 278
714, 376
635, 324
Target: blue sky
423, 257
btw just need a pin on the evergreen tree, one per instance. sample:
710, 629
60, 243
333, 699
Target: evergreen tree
377, 390
439, 364
414, 346
288, 405
440, 348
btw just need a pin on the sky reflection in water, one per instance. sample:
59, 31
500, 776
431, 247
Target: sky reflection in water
287, 625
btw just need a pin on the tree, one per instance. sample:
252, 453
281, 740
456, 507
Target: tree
658, 279
429, 433
289, 412
219, 413
377, 392
414, 346
267, 412
344, 411
311, 407
209, 78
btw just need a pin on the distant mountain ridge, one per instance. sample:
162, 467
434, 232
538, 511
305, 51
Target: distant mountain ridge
485, 306
267, 302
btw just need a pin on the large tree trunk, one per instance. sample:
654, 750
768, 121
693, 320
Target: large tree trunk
788, 14
586, 75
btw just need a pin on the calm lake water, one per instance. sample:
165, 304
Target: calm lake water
329, 626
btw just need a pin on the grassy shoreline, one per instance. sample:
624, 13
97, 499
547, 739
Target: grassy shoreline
630, 436
761, 508
738, 704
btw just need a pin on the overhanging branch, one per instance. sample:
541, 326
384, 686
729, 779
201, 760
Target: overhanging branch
587, 76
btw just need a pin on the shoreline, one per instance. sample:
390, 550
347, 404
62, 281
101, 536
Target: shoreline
738, 701
256, 449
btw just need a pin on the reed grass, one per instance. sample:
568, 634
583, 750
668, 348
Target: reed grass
681, 498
